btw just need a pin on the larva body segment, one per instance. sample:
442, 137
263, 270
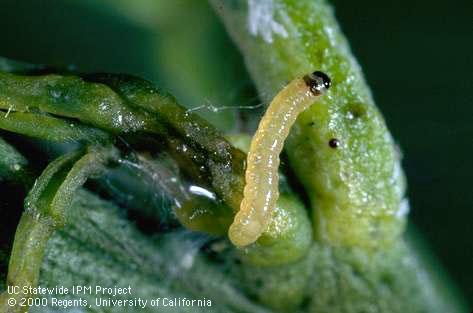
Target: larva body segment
261, 190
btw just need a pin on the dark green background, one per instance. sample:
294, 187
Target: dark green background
417, 57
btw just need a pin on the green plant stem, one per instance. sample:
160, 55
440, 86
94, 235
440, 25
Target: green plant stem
46, 209
42, 106
355, 190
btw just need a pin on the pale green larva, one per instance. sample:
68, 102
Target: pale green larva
261, 190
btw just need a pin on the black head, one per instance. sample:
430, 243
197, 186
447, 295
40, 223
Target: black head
318, 82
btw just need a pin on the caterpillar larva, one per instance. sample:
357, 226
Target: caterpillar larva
261, 189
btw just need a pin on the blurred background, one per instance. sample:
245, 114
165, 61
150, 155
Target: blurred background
417, 57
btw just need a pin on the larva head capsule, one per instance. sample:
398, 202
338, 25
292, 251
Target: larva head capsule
318, 82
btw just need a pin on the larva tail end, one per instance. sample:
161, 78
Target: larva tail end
244, 234
318, 82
